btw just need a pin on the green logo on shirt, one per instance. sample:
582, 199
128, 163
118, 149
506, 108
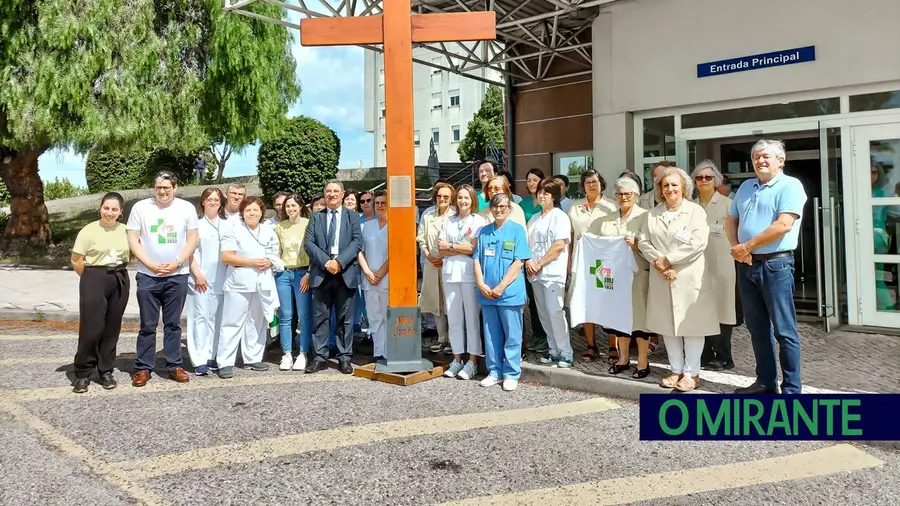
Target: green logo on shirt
603, 275
165, 234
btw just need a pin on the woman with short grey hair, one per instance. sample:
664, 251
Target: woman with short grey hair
627, 224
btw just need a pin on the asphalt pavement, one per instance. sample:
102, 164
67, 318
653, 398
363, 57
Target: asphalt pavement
289, 438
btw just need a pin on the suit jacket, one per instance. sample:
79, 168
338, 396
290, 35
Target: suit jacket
349, 246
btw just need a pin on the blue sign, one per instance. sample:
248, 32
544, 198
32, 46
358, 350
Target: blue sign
757, 61
834, 417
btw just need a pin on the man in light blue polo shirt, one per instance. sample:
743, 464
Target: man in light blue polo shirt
763, 228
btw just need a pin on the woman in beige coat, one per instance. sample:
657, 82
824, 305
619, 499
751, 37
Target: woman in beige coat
719, 262
681, 304
583, 213
627, 223
431, 225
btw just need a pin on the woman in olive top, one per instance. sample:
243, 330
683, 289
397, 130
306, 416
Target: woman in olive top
293, 283
99, 257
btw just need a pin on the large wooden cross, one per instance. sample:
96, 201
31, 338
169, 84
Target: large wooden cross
397, 28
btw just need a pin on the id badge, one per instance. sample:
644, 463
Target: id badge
508, 245
716, 229
488, 252
683, 236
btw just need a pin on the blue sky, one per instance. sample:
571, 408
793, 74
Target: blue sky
332, 83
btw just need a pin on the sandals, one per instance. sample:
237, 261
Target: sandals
618, 369
612, 356
590, 353
641, 373
670, 381
687, 383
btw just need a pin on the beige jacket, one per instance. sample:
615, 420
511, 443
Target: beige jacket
719, 261
612, 226
582, 215
431, 225
687, 305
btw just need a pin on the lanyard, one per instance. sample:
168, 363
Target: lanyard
463, 227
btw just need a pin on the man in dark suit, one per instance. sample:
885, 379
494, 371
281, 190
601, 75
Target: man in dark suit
333, 241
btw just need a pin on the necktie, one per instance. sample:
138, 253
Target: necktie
332, 227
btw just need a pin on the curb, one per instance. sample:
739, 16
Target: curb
575, 380
61, 316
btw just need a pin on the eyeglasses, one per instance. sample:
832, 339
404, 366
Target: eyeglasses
624, 196
163, 189
704, 178
380, 203
443, 197
501, 207
365, 201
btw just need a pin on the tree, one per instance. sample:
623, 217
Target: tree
250, 82
486, 125
127, 170
299, 159
117, 75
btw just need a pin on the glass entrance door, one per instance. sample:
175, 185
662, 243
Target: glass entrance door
876, 167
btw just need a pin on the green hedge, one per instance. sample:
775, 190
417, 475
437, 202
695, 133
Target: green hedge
114, 171
299, 159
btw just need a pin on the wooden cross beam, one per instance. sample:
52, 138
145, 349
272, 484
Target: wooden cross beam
397, 28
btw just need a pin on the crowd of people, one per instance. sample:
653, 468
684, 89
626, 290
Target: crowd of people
702, 261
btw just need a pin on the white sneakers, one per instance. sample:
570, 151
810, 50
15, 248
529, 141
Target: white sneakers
287, 363
508, 384
300, 363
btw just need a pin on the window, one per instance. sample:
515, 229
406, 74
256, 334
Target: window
436, 135
455, 133
383, 110
875, 101
659, 136
573, 165
381, 77
416, 141
454, 98
383, 142
769, 112
435, 100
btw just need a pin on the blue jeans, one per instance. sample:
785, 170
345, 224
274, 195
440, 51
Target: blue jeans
767, 295
288, 285
503, 341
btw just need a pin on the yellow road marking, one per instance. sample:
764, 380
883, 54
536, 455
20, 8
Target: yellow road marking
823, 462
37, 337
255, 451
157, 385
73, 450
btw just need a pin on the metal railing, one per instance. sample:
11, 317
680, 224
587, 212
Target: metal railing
453, 179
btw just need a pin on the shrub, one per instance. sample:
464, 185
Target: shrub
114, 171
4, 192
299, 159
61, 189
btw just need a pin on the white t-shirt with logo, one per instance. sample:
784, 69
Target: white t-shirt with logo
461, 268
163, 231
603, 272
543, 231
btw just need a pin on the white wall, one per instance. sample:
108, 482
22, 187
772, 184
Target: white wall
426, 83
646, 54
655, 46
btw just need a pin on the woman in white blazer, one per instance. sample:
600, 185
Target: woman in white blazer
206, 282
251, 299
680, 303
719, 262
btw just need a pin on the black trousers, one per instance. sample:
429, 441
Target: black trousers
103, 296
718, 347
333, 293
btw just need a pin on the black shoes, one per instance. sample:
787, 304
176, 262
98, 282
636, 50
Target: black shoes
755, 388
315, 366
107, 381
345, 367
81, 385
